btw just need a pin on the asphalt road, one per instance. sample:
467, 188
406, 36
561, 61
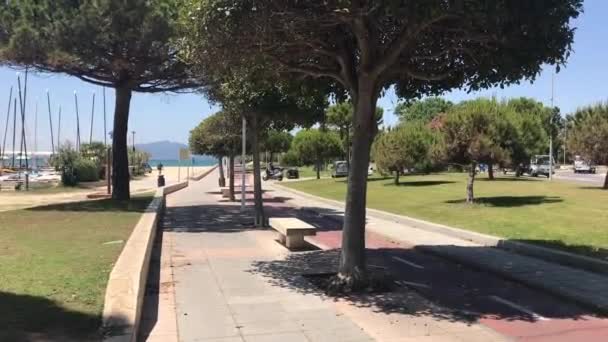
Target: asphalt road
590, 179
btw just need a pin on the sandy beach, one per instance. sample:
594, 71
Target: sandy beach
17, 200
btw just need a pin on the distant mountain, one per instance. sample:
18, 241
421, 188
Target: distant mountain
162, 149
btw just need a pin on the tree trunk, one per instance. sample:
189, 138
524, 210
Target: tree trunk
222, 180
347, 148
231, 181
120, 158
606, 181
260, 217
490, 171
470, 193
352, 274
397, 173
318, 167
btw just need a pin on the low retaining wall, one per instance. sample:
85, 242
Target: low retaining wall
544, 253
127, 283
204, 174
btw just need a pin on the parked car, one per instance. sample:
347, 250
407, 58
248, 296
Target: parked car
583, 166
540, 166
293, 173
340, 169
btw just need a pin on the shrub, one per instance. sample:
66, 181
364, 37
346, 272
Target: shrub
86, 170
64, 162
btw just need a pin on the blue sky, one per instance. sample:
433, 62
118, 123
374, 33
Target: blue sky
157, 117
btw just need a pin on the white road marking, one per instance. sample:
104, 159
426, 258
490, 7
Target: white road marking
519, 307
403, 282
408, 263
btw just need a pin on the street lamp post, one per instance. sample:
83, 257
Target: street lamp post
551, 128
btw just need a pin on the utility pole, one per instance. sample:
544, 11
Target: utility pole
244, 148
551, 128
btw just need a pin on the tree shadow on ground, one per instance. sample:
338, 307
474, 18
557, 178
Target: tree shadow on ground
499, 179
378, 178
217, 218
31, 318
274, 199
445, 292
591, 251
151, 304
420, 183
510, 201
598, 187
136, 204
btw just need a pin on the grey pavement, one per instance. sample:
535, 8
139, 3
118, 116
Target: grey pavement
221, 280
218, 296
583, 287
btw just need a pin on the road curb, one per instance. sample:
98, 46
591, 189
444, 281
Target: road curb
544, 253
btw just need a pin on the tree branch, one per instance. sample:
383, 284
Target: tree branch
404, 39
423, 76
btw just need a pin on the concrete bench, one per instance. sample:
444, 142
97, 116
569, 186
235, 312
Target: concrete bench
292, 231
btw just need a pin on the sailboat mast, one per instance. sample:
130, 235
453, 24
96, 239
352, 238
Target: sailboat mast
8, 119
34, 162
59, 129
48, 98
77, 123
92, 119
14, 130
105, 132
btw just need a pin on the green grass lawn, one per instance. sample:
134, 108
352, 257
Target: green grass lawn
308, 171
54, 266
563, 215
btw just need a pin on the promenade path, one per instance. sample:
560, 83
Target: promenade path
215, 278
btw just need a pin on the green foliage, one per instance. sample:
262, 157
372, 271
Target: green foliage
86, 170
340, 117
479, 131
95, 151
136, 159
532, 121
218, 135
422, 47
314, 146
407, 146
108, 42
588, 135
424, 110
291, 158
276, 141
65, 161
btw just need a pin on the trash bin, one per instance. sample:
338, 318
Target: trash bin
161, 181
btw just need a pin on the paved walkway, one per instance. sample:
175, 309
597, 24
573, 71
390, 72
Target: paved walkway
214, 278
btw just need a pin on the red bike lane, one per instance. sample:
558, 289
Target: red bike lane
509, 308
